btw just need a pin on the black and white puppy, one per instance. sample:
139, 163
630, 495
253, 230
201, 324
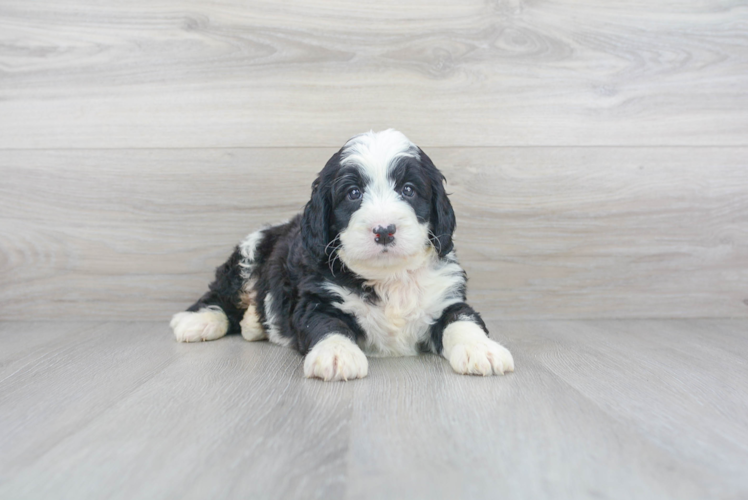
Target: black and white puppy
367, 269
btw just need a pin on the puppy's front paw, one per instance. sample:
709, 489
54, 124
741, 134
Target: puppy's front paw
469, 351
336, 357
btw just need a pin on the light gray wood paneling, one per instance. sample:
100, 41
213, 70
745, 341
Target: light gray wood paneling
608, 408
186, 73
543, 232
95, 365
591, 411
154, 433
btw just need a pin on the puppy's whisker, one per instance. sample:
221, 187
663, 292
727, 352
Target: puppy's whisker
332, 256
332, 265
435, 238
335, 239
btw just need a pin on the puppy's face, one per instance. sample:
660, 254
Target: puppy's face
379, 205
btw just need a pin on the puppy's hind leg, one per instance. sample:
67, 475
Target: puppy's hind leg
250, 324
219, 311
207, 323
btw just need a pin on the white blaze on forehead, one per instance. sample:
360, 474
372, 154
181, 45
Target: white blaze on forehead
377, 152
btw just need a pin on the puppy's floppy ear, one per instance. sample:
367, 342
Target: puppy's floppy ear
442, 220
315, 222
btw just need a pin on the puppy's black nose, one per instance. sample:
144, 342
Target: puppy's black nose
385, 235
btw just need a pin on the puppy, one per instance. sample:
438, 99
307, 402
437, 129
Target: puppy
368, 268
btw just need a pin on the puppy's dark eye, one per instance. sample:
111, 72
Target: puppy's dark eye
408, 191
354, 194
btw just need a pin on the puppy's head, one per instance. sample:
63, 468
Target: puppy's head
380, 205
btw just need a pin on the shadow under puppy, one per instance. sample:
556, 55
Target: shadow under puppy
367, 269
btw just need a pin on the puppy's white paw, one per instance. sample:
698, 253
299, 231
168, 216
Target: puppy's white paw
251, 328
470, 351
209, 323
336, 357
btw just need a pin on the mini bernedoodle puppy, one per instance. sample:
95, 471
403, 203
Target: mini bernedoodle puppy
368, 268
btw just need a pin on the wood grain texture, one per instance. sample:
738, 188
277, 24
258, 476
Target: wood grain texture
542, 232
183, 73
597, 156
596, 409
175, 430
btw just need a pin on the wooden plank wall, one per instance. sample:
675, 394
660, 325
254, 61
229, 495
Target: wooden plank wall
597, 152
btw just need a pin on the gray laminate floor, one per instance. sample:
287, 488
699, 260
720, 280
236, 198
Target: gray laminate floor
595, 409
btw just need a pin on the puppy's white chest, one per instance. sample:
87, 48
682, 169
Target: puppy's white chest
405, 307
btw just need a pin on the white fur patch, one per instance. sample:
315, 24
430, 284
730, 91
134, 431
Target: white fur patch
271, 324
247, 248
209, 323
336, 357
251, 327
470, 351
410, 301
376, 151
